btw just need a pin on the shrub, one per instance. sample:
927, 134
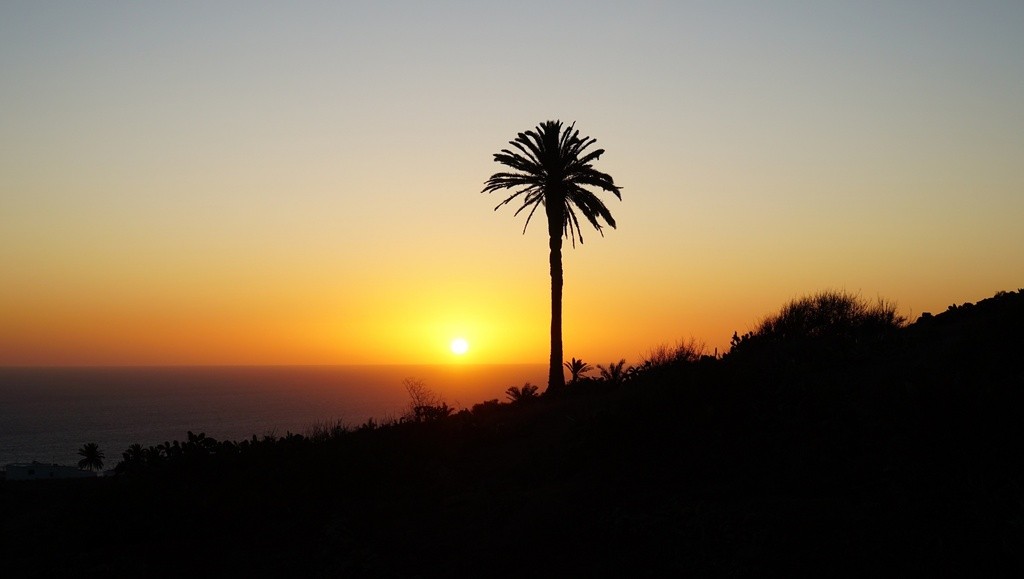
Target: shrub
487, 406
323, 431
682, 352
424, 404
829, 319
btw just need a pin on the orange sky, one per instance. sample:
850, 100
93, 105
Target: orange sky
212, 185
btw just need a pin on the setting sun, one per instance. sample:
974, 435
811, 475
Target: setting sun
459, 346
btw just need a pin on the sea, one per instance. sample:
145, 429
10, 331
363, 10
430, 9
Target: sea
47, 414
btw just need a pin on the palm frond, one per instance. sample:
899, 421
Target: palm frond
584, 163
530, 216
551, 163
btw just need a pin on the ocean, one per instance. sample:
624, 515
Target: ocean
47, 414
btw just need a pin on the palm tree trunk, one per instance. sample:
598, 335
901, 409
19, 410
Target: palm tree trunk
556, 379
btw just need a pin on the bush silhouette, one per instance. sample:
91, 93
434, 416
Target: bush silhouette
823, 325
424, 404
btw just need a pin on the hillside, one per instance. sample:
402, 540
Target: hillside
903, 454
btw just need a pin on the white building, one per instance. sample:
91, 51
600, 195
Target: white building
40, 471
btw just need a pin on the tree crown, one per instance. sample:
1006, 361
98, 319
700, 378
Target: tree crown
553, 168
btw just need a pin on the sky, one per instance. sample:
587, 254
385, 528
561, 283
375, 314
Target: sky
300, 182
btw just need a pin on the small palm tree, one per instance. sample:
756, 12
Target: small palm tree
576, 369
613, 372
134, 453
551, 168
516, 394
92, 457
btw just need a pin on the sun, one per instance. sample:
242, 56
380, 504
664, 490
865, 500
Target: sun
459, 346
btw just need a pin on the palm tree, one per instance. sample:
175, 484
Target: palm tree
551, 167
576, 369
614, 372
524, 394
92, 457
134, 454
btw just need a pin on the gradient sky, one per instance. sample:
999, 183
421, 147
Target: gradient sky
299, 183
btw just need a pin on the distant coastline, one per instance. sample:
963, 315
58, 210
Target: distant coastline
48, 412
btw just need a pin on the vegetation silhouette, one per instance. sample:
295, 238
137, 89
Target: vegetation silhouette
525, 394
551, 168
892, 448
92, 457
827, 315
577, 368
424, 404
614, 372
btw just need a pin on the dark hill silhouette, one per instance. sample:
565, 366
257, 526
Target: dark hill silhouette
905, 457
986, 331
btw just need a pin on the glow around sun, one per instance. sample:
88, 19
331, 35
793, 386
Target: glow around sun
459, 346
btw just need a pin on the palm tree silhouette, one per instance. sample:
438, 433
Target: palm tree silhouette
552, 168
524, 394
614, 372
577, 368
92, 457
